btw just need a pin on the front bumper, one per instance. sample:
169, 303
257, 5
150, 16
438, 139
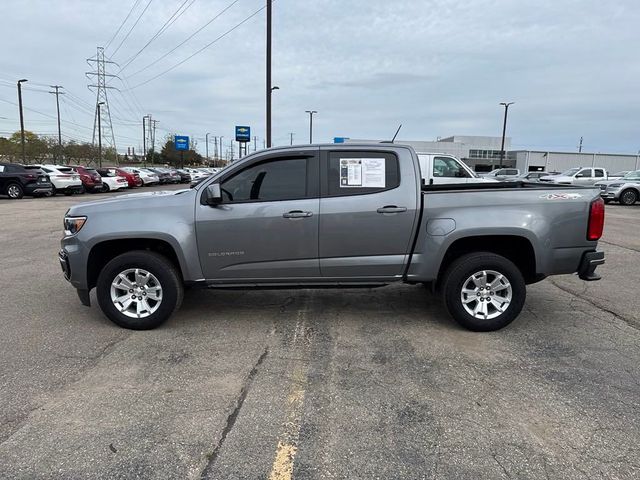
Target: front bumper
587, 269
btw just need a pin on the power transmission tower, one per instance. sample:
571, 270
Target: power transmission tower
99, 76
57, 93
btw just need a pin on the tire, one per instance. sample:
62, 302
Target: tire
105, 188
162, 273
628, 197
53, 191
68, 193
607, 201
15, 191
460, 275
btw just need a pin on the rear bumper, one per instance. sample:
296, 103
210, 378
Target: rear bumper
38, 189
590, 261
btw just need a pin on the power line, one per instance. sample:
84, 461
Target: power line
123, 22
200, 50
131, 29
187, 39
162, 29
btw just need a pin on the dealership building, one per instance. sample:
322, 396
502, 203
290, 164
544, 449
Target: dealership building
483, 153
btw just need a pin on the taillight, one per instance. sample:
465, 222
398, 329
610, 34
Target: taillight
596, 219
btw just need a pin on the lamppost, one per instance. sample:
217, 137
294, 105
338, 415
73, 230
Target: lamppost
268, 72
99, 137
206, 141
504, 131
21, 118
311, 112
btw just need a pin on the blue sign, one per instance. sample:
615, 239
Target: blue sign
340, 139
243, 134
181, 142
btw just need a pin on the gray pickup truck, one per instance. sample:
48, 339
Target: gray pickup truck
331, 216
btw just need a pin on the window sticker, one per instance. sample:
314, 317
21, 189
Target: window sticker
362, 172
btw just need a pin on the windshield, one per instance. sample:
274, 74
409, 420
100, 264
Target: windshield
571, 171
633, 175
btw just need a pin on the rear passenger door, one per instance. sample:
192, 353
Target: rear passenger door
368, 207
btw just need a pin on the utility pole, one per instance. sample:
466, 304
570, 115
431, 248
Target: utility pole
231, 150
99, 137
580, 146
20, 82
504, 131
255, 143
311, 112
152, 127
215, 149
144, 140
291, 138
269, 90
206, 144
221, 148
57, 93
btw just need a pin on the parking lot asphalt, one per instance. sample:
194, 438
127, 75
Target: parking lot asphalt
364, 383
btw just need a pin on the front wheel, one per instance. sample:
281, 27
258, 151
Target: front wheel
628, 197
139, 290
483, 291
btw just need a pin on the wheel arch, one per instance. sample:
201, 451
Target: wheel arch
104, 251
516, 248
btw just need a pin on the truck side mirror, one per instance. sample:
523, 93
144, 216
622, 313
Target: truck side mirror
213, 194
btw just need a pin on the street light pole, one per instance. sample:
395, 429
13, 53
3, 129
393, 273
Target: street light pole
504, 131
144, 140
269, 89
311, 112
99, 137
57, 93
24, 157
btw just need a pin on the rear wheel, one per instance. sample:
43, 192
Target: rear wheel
628, 197
105, 188
15, 191
139, 290
483, 291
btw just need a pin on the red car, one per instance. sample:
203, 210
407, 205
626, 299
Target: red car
91, 179
133, 179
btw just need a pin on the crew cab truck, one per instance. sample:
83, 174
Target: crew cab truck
331, 216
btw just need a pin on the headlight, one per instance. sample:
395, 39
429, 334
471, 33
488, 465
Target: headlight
616, 185
72, 225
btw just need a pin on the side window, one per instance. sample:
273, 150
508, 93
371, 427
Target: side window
356, 173
269, 181
512, 172
1, 168
448, 167
584, 173
599, 173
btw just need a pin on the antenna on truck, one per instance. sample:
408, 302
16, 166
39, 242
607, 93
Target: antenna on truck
394, 137
397, 131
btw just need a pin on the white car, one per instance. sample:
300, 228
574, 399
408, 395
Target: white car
64, 179
501, 174
147, 176
196, 173
578, 176
111, 181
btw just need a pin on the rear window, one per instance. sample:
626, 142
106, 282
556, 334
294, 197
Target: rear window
91, 171
65, 169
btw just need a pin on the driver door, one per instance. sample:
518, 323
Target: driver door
266, 228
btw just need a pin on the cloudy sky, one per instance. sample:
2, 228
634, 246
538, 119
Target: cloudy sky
439, 67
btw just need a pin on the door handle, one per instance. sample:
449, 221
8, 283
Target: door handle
297, 214
392, 209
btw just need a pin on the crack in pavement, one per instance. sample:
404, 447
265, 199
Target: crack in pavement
629, 321
233, 416
620, 246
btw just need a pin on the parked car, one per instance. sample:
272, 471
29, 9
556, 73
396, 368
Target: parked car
577, 176
331, 215
438, 169
185, 177
625, 190
502, 174
196, 174
174, 176
133, 179
527, 177
618, 175
146, 177
16, 181
111, 180
163, 176
63, 179
91, 180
